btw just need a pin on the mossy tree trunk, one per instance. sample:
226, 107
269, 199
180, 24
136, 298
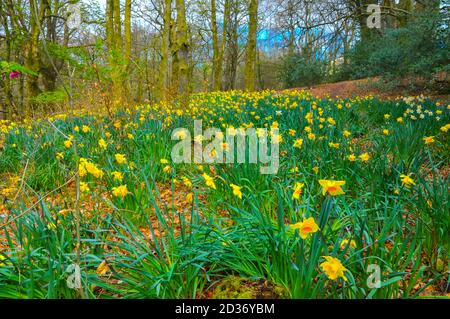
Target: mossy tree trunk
32, 61
250, 59
182, 52
163, 79
110, 25
7, 102
226, 18
216, 48
127, 47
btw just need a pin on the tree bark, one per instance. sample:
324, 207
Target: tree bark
250, 60
226, 18
127, 33
163, 79
182, 49
215, 44
110, 24
32, 61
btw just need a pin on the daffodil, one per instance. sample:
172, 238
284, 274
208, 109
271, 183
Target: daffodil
102, 144
364, 157
120, 158
236, 190
331, 187
298, 187
209, 181
117, 176
84, 187
120, 191
298, 143
59, 156
428, 140
407, 181
333, 268
306, 227
346, 242
68, 143
85, 129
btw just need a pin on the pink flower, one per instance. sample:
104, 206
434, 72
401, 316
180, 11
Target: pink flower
14, 74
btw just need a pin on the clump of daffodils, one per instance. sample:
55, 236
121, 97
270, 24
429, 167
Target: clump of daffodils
333, 268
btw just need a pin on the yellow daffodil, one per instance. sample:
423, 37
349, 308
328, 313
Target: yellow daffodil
120, 191
298, 187
209, 181
117, 176
407, 181
364, 157
84, 188
333, 268
428, 140
298, 143
68, 143
120, 158
331, 187
236, 190
345, 243
306, 227
102, 144
85, 129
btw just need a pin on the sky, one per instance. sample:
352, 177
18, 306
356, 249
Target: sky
102, 2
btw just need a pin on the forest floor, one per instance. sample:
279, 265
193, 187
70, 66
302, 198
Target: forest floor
369, 86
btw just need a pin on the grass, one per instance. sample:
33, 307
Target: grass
170, 235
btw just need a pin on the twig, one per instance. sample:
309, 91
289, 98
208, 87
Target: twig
36, 203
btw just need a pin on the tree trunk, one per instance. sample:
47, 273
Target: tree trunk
110, 25
232, 47
32, 60
127, 35
215, 44
182, 44
6, 105
127, 48
163, 79
250, 59
117, 27
226, 18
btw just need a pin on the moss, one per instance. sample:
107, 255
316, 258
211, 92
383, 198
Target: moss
233, 287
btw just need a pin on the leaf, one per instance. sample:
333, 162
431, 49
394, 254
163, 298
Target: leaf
103, 268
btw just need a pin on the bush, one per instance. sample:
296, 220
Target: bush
297, 70
419, 50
